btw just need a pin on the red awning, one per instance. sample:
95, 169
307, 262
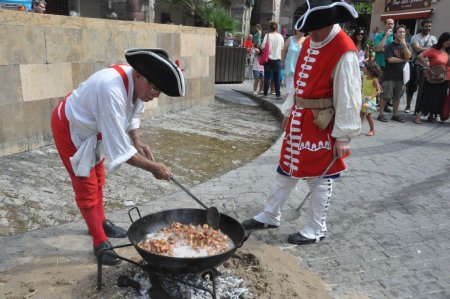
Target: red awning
416, 14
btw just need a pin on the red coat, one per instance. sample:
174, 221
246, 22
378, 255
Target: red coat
307, 150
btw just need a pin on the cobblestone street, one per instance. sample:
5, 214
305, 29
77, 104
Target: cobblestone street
387, 224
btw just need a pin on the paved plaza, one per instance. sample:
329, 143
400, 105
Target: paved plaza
388, 222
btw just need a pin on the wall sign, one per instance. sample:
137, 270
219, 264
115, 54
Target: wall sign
392, 5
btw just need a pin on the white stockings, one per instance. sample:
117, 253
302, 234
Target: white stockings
319, 201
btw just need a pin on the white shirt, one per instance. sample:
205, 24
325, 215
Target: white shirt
423, 41
101, 105
346, 92
276, 43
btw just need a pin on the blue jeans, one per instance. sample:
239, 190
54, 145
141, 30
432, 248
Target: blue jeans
272, 69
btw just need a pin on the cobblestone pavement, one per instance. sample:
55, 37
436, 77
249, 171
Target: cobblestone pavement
388, 221
35, 190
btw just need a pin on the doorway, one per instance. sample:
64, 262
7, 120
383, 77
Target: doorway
410, 26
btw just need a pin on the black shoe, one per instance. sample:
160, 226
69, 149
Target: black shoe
113, 231
387, 109
299, 239
251, 224
382, 117
397, 118
109, 256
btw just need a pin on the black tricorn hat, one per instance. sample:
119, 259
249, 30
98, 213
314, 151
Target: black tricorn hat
155, 65
323, 13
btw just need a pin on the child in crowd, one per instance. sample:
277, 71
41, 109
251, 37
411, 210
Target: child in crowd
258, 71
370, 90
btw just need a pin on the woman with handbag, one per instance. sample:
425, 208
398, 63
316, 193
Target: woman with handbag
434, 90
275, 42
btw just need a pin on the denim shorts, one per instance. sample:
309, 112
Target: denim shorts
258, 74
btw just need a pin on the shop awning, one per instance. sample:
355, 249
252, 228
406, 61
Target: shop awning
416, 14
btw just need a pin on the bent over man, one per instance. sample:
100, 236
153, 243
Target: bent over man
101, 117
321, 117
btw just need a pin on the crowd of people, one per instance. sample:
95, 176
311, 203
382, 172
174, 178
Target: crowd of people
408, 65
398, 64
283, 51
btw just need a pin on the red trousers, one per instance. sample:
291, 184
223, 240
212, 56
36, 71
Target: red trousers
88, 190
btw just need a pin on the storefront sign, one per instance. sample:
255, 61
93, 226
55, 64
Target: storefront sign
393, 5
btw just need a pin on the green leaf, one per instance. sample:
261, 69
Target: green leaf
210, 13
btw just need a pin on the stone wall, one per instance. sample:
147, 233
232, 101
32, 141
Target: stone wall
268, 12
43, 57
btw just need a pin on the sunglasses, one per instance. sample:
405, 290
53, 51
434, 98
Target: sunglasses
361, 33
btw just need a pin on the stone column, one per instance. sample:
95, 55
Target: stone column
269, 11
241, 11
149, 10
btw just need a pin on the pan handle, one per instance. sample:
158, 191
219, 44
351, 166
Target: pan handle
244, 239
137, 210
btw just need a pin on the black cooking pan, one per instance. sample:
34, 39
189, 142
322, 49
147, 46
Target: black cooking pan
171, 265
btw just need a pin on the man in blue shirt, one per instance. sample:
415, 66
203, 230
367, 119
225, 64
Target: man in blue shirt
382, 40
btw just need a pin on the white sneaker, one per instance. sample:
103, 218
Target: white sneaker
407, 111
255, 92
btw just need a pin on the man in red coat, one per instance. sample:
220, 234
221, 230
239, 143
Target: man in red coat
321, 117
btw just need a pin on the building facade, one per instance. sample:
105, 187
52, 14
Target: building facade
284, 12
411, 12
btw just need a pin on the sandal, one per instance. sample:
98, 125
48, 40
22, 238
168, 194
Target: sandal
417, 121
